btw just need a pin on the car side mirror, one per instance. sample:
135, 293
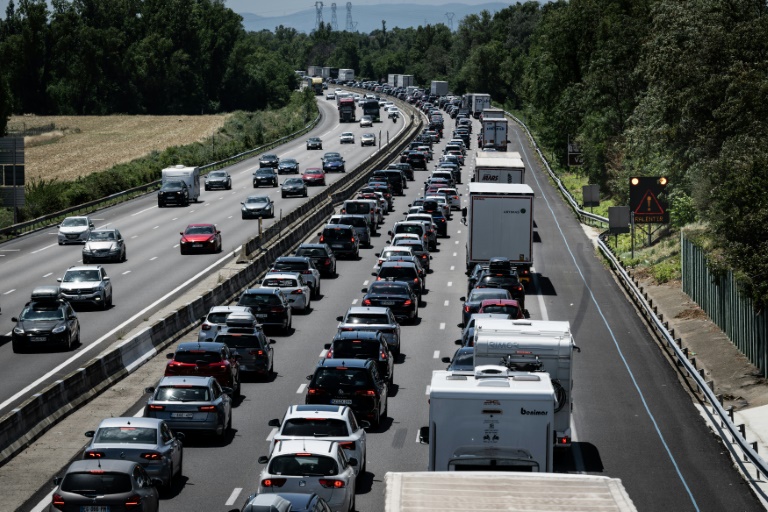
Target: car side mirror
461, 325
57, 480
463, 299
378, 254
263, 459
457, 342
446, 360
339, 318
309, 377
227, 390
106, 278
271, 341
181, 233
274, 422
169, 356
430, 257
424, 435
150, 389
58, 280
363, 290
373, 274
327, 346
90, 433
179, 435
353, 462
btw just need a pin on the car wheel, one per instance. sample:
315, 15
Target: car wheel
244, 217
125, 256
352, 503
305, 193
317, 292
237, 392
287, 328
180, 471
159, 205
86, 260
283, 195
109, 302
376, 421
274, 185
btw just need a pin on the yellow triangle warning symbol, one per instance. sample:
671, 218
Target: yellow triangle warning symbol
649, 205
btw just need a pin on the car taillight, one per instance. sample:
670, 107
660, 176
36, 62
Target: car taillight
206, 327
327, 261
277, 309
151, 456
322, 239
273, 482
329, 354
383, 355
415, 279
156, 407
408, 302
424, 256
348, 445
256, 352
207, 408
353, 239
378, 279
306, 271
366, 392
297, 292
94, 455
366, 302
57, 500
466, 309
316, 391
133, 501
218, 367
332, 484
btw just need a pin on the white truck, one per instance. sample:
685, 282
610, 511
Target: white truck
189, 175
500, 222
442, 491
498, 170
392, 79
532, 345
438, 88
476, 102
493, 132
492, 418
346, 75
405, 80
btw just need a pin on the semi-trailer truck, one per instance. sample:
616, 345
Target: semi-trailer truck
438, 88
493, 129
347, 109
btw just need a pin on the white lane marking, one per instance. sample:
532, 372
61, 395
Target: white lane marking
301, 389
134, 236
175, 218
108, 336
442, 326
230, 216
142, 211
126, 272
233, 496
354, 302
48, 274
10, 291
436, 354
452, 267
445, 303
458, 232
429, 388
11, 250
175, 246
153, 258
365, 283
323, 353
44, 503
455, 254
272, 434
155, 227
456, 242
450, 283
44, 248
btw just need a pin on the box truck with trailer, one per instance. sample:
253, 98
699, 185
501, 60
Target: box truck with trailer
499, 170
493, 129
438, 88
490, 419
441, 491
346, 75
532, 346
405, 81
189, 175
500, 223
498, 154
476, 102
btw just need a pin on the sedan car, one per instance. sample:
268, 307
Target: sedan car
293, 187
477, 296
283, 501
269, 306
189, 403
75, 230
314, 143
293, 286
398, 296
378, 319
366, 121
269, 160
218, 179
288, 166
253, 350
173, 192
321, 255
368, 139
334, 164
201, 238
314, 176
206, 358
104, 485
506, 280
264, 176
463, 360
87, 284
147, 441
257, 206
46, 320
106, 245
347, 138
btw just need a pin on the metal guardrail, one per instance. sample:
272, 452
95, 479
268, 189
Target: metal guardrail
659, 326
43, 221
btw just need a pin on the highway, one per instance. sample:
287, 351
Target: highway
632, 418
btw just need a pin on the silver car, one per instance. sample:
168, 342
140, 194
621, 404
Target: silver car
87, 283
215, 319
148, 441
105, 244
293, 286
257, 206
191, 403
75, 230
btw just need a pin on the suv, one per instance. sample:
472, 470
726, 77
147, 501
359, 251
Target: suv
355, 383
45, 320
265, 176
379, 319
363, 345
203, 359
401, 271
269, 306
174, 192
293, 286
246, 340
87, 283
269, 160
304, 266
321, 255
359, 223
216, 319
394, 178
342, 239
405, 167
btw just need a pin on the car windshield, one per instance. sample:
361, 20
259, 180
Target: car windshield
367, 319
239, 340
217, 174
193, 356
315, 427
265, 171
463, 360
257, 200
74, 222
287, 162
279, 283
199, 230
126, 435
486, 293
258, 299
79, 276
303, 465
97, 483
183, 394
101, 236
172, 185
507, 309
218, 317
387, 287
347, 134
42, 314
293, 181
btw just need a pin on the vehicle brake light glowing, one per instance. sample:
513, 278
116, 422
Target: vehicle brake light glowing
151, 456
94, 455
367, 302
273, 482
408, 302
366, 392
347, 445
332, 484
58, 501
207, 408
156, 407
133, 501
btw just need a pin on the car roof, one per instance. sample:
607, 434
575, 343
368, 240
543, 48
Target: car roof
343, 363
316, 411
134, 421
281, 274
83, 267
303, 259
355, 310
306, 445
231, 309
208, 346
401, 264
188, 380
501, 302
109, 465
201, 225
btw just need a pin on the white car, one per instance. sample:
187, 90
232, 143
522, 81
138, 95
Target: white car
75, 230
329, 422
367, 139
217, 318
443, 202
453, 197
347, 138
330, 95
310, 466
391, 250
293, 286
366, 121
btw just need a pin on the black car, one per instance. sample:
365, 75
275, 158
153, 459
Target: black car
398, 296
269, 306
417, 160
415, 261
218, 179
173, 192
477, 296
355, 383
288, 166
386, 190
254, 350
293, 187
394, 177
314, 143
334, 164
363, 345
463, 360
269, 160
405, 167
401, 271
342, 239
321, 255
508, 281
264, 176
45, 321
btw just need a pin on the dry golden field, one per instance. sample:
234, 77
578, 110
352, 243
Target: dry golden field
84, 144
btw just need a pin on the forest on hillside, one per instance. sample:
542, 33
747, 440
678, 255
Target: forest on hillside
677, 88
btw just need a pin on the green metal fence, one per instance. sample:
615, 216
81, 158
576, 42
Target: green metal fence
719, 296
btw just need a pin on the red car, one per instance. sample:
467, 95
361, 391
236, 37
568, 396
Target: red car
200, 238
206, 359
504, 306
314, 176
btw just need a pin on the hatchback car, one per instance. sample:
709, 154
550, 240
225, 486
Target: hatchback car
322, 257
253, 350
218, 179
363, 345
347, 138
75, 230
398, 296
368, 139
173, 192
265, 177
379, 319
105, 245
329, 422
390, 251
190, 403
257, 207
366, 122
342, 239
307, 466
405, 167
506, 280
46, 320
206, 358
314, 143
146, 441
504, 306
269, 306
285, 502
269, 160
477, 296
87, 284
215, 319
401, 271
418, 247
293, 286
200, 238
355, 383
288, 166
105, 485
304, 266
293, 187
334, 164
359, 223
314, 176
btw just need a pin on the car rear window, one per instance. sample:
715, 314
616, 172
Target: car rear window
239, 340
303, 465
315, 427
367, 319
498, 281
311, 252
290, 265
280, 283
332, 377
485, 293
193, 356
508, 309
126, 435
218, 317
357, 222
397, 273
389, 287
405, 228
337, 234
258, 299
358, 349
183, 394
99, 484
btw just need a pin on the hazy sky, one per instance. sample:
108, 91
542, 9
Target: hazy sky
282, 7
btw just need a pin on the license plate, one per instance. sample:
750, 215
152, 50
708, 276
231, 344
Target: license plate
197, 245
182, 415
38, 338
387, 303
337, 246
94, 508
261, 315
341, 401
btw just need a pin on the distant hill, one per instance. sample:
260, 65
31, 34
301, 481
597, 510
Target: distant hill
368, 17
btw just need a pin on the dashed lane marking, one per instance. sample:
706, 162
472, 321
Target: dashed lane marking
301, 389
442, 326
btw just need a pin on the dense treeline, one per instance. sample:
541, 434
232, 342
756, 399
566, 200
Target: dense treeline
647, 87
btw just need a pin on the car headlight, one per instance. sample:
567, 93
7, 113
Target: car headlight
114, 248
59, 329
18, 330
87, 250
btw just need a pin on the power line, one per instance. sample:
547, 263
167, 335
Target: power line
350, 25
